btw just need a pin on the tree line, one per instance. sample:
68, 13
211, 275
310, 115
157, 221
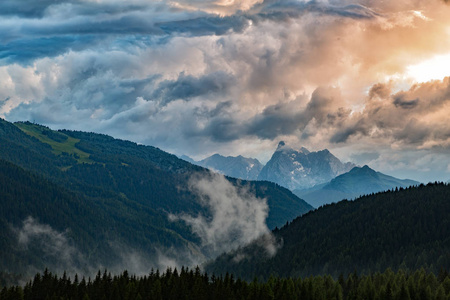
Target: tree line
194, 284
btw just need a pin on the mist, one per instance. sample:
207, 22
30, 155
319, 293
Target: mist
55, 248
56, 251
236, 216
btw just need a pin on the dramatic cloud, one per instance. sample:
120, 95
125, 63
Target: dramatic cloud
235, 77
29, 8
188, 87
413, 118
236, 218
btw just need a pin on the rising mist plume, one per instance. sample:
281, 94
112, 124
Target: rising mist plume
236, 216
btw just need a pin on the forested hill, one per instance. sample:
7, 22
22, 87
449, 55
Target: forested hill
105, 196
406, 229
96, 163
81, 230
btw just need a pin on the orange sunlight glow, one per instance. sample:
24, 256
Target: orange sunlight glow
436, 68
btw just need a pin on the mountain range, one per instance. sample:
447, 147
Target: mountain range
78, 201
299, 169
109, 202
238, 167
357, 182
317, 177
290, 168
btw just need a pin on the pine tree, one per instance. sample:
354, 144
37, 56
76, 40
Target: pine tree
440, 293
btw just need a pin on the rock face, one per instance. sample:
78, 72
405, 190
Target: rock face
300, 169
238, 167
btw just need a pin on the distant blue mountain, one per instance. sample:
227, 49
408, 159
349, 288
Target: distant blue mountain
238, 167
188, 159
358, 181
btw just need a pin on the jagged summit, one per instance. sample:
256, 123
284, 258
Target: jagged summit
238, 167
304, 150
358, 169
299, 169
282, 146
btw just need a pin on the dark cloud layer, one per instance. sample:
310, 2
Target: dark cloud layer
399, 101
291, 118
399, 118
200, 77
75, 26
211, 25
40, 8
25, 51
279, 11
28, 8
186, 87
394, 117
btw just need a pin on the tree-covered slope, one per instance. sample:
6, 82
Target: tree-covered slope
45, 225
122, 193
90, 162
407, 229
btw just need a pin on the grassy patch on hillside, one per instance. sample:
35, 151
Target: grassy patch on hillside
60, 142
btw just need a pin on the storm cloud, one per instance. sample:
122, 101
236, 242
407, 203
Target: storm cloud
49, 28
235, 77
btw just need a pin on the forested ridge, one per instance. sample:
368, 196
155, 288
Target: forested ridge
403, 229
88, 190
105, 197
193, 284
92, 222
97, 165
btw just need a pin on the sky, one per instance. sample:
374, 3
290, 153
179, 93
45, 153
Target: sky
365, 79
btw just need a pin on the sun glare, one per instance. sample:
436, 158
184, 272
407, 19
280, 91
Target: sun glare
436, 68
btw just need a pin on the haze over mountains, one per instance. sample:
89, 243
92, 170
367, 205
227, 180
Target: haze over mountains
358, 181
238, 167
290, 168
317, 177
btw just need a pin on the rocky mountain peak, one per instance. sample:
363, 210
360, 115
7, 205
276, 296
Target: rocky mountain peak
281, 144
304, 150
233, 166
298, 169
